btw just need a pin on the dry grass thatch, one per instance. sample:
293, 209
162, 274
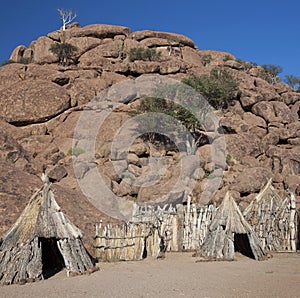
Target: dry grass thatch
41, 242
230, 232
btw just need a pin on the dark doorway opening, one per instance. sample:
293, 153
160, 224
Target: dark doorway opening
52, 260
242, 245
145, 249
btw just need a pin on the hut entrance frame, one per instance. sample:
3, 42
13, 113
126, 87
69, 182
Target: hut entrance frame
242, 245
52, 259
42, 242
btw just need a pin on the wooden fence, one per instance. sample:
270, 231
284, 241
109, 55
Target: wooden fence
274, 219
156, 230
153, 231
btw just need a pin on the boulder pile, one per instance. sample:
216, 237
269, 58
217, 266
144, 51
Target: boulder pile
42, 102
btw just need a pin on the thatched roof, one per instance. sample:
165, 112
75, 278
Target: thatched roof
42, 217
42, 231
230, 232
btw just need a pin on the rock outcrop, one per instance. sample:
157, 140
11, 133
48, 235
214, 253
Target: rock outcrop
42, 102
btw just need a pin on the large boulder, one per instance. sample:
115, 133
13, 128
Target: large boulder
17, 53
32, 101
84, 44
273, 111
245, 144
106, 50
16, 188
98, 31
290, 97
46, 72
251, 180
171, 37
12, 152
254, 90
41, 50
289, 157
11, 73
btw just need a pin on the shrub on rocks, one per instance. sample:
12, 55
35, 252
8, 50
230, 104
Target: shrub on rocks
143, 54
218, 87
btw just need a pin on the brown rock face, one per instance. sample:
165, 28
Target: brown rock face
17, 53
171, 37
41, 53
41, 103
11, 73
12, 152
251, 180
99, 31
33, 101
16, 187
290, 97
84, 44
274, 112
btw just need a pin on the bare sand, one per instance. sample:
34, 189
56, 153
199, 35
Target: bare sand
178, 275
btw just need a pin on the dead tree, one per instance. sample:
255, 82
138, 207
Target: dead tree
67, 16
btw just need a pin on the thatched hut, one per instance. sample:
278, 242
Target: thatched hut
228, 233
42, 242
274, 219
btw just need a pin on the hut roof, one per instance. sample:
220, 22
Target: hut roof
42, 217
41, 242
269, 198
229, 215
230, 232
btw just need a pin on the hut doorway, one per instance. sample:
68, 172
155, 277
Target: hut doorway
242, 245
52, 260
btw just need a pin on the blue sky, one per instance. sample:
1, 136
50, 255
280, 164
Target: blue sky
265, 31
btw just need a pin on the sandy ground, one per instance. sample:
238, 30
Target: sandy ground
178, 275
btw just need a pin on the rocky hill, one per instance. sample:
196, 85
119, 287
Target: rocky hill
43, 100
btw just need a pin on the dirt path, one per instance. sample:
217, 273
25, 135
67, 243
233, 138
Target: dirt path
178, 275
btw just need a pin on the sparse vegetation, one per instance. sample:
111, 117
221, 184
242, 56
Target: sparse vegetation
226, 58
209, 176
64, 52
173, 40
178, 121
247, 65
144, 54
228, 158
22, 61
76, 151
120, 50
218, 87
206, 59
7, 62
273, 69
293, 81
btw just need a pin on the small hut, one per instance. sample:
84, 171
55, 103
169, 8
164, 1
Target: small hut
42, 242
228, 233
274, 219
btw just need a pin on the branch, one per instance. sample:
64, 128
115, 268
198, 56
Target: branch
67, 16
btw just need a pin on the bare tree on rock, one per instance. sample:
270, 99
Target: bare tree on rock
67, 16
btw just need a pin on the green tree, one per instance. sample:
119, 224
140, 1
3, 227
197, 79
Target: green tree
273, 69
64, 52
156, 123
143, 54
218, 87
293, 81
